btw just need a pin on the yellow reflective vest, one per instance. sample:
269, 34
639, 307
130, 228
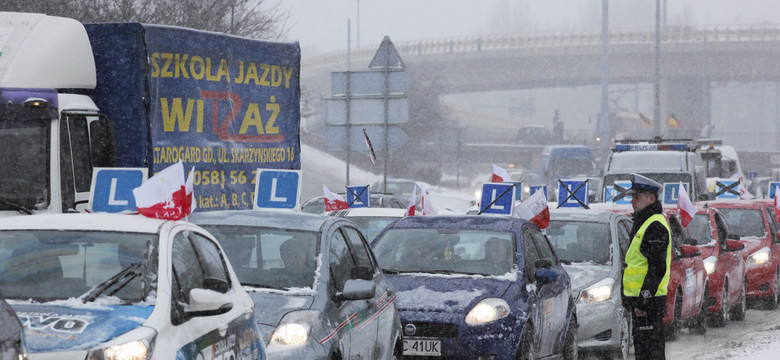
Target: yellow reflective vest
636, 263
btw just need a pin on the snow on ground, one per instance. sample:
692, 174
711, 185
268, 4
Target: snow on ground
755, 338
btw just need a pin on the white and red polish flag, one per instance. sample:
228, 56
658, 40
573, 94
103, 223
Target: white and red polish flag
685, 206
499, 174
534, 209
166, 195
333, 201
412, 203
427, 206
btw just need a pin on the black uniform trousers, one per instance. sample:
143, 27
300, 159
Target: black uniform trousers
649, 342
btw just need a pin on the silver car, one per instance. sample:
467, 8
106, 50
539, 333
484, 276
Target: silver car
591, 244
318, 291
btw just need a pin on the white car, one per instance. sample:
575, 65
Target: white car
110, 286
370, 221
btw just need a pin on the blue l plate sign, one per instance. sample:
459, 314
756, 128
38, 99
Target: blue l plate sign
112, 189
502, 195
278, 189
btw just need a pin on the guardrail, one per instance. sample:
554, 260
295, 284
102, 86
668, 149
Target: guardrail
672, 34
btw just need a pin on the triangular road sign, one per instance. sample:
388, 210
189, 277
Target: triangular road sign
386, 57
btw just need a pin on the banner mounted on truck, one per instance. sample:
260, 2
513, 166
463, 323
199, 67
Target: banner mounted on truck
224, 104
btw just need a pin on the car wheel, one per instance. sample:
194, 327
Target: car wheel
625, 338
672, 332
570, 342
719, 319
527, 350
738, 311
699, 326
771, 302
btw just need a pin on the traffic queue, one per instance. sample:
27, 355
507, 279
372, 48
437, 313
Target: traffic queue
517, 278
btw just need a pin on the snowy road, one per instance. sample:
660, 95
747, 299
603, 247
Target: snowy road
755, 338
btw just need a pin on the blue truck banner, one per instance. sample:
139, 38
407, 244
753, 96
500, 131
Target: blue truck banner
278, 189
358, 196
573, 193
672, 192
224, 104
112, 189
497, 198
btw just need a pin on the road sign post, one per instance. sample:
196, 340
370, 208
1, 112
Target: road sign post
375, 100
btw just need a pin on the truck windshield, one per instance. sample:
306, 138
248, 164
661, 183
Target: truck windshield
561, 168
647, 161
24, 163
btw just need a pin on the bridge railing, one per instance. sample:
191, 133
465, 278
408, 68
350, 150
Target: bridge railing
672, 34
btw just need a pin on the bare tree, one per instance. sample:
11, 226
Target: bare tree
260, 19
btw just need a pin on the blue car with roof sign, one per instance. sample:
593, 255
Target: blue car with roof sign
488, 287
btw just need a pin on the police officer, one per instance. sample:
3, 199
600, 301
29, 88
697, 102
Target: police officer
646, 269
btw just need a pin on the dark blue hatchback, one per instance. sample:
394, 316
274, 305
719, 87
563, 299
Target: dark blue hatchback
478, 287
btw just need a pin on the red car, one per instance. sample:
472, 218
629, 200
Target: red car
720, 251
687, 289
754, 221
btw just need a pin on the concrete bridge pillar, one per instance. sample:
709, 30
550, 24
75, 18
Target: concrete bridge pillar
688, 99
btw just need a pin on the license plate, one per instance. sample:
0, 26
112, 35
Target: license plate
422, 347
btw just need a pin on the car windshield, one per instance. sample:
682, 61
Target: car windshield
372, 226
47, 265
580, 241
700, 229
745, 222
270, 257
447, 251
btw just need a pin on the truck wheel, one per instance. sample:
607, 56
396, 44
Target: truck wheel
738, 311
719, 319
673, 331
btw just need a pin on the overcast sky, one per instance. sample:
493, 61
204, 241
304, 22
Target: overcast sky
321, 25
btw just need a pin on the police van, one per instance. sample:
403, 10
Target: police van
665, 161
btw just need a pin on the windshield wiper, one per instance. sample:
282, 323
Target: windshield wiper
127, 274
265, 286
18, 207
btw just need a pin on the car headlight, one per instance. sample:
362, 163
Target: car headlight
710, 264
136, 344
294, 329
487, 310
599, 291
761, 256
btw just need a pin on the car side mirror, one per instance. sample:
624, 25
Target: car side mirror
689, 251
356, 289
546, 276
734, 245
777, 237
205, 302
732, 237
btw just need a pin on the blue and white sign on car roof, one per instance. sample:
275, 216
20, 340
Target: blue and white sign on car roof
572, 193
535, 188
773, 187
112, 189
358, 196
278, 189
672, 193
497, 198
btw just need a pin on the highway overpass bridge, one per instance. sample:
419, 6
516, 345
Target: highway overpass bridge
693, 59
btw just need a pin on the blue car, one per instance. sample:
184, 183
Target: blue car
487, 287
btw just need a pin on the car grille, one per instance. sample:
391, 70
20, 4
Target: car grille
433, 330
